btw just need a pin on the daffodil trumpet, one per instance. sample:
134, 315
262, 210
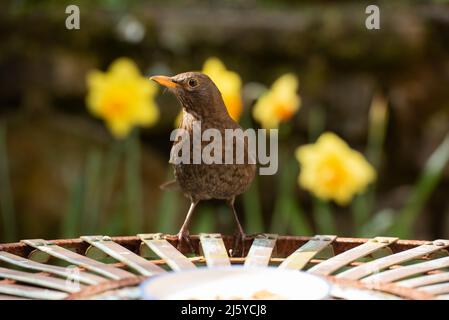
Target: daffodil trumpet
279, 103
331, 170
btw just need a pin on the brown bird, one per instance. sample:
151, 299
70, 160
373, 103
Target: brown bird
202, 101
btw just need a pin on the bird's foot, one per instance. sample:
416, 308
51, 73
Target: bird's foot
184, 241
239, 244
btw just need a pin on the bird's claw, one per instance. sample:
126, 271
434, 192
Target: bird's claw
239, 244
184, 240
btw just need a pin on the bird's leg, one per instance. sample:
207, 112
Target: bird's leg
239, 237
183, 234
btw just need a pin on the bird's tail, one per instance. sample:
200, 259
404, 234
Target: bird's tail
171, 185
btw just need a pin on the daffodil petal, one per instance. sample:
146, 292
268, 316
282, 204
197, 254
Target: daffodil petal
279, 103
331, 170
228, 82
122, 97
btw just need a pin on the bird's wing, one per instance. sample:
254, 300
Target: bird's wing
171, 185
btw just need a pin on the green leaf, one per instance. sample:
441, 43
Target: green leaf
377, 130
253, 211
253, 219
422, 190
133, 184
167, 211
363, 204
115, 225
361, 208
288, 215
317, 122
324, 217
92, 192
321, 210
71, 220
109, 177
379, 223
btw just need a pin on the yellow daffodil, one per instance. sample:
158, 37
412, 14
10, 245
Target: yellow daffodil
228, 82
331, 170
122, 97
279, 103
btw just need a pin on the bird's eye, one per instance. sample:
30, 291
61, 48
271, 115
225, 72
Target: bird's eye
192, 82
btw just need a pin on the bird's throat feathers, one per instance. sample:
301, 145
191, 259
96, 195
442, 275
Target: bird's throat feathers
200, 106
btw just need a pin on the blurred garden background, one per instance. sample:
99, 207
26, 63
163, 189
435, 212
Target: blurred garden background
66, 171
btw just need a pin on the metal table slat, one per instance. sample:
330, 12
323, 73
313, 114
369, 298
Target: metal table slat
70, 273
79, 260
403, 272
437, 289
397, 258
299, 259
31, 292
424, 280
214, 250
350, 293
40, 280
8, 297
261, 249
120, 253
175, 259
331, 265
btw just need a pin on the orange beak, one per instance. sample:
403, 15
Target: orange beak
165, 81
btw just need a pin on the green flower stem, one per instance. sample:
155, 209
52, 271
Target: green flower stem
317, 123
377, 131
115, 224
133, 184
361, 208
322, 211
288, 214
92, 192
253, 211
426, 184
71, 221
324, 217
378, 121
6, 201
251, 198
168, 208
110, 173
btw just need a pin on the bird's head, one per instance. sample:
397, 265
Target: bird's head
196, 92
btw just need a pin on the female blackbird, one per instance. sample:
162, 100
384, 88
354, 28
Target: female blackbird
202, 101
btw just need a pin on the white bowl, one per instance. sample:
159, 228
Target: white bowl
236, 283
